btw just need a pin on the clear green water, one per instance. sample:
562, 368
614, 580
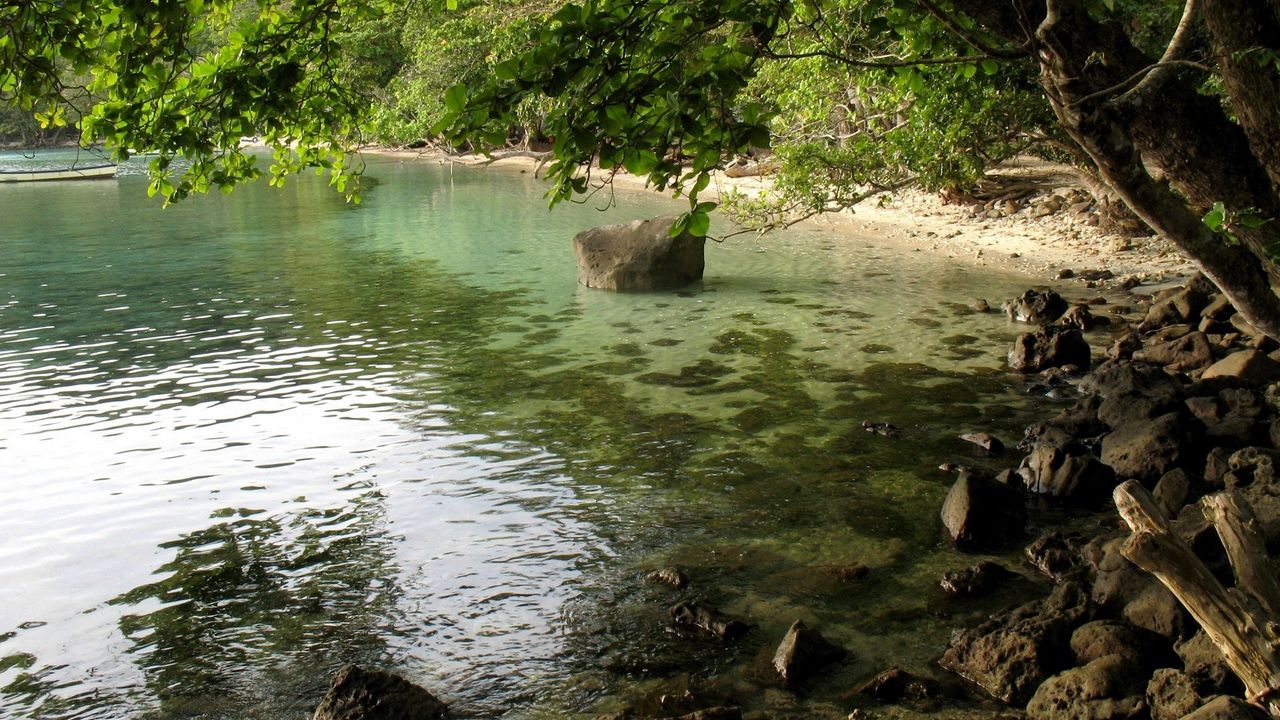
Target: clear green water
249, 439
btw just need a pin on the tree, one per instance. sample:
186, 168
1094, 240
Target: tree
1186, 131
1173, 105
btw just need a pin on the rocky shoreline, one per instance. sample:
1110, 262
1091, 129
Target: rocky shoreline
1184, 399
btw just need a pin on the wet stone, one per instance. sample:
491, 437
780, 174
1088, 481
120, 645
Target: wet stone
876, 349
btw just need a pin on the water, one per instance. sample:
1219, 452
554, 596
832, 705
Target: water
249, 439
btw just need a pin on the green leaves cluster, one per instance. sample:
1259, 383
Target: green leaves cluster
190, 78
650, 87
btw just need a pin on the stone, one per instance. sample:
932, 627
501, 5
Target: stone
361, 694
1100, 638
1208, 669
1171, 491
1219, 308
1144, 451
639, 255
982, 513
1154, 608
894, 684
1079, 317
1225, 707
1171, 694
1109, 688
1037, 307
980, 305
1055, 554
1161, 314
1124, 346
976, 581
1249, 365
803, 651
986, 441
1049, 346
707, 620
1188, 352
1011, 654
671, 577
1059, 473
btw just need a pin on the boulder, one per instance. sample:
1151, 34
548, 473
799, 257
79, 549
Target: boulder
1055, 554
1059, 473
1109, 688
1100, 638
1146, 450
1079, 317
1225, 707
988, 442
1049, 347
802, 651
977, 580
1171, 694
1011, 654
1249, 365
1038, 307
1154, 608
707, 620
1203, 662
1189, 352
980, 512
894, 684
1171, 491
361, 694
639, 255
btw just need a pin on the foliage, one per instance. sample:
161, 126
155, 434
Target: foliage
191, 77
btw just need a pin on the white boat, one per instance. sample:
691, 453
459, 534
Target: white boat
90, 172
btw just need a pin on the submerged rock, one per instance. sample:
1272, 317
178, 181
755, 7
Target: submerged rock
1049, 347
671, 577
639, 255
976, 581
1037, 307
895, 684
707, 620
361, 694
803, 651
981, 512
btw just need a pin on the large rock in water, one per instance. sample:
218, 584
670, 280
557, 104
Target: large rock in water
360, 694
1049, 346
981, 513
638, 255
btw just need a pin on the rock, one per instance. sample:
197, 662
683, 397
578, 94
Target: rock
1249, 365
882, 429
980, 512
1075, 476
1224, 707
360, 694
1109, 688
1171, 694
1055, 554
1124, 346
1171, 491
672, 577
1049, 346
1208, 669
1160, 315
1189, 352
1100, 638
639, 255
976, 581
894, 684
1079, 317
1154, 608
1114, 378
1219, 308
1037, 307
1146, 450
986, 441
1012, 653
803, 651
980, 305
692, 615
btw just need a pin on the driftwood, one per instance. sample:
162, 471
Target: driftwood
1241, 621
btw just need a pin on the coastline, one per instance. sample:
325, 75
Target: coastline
1059, 247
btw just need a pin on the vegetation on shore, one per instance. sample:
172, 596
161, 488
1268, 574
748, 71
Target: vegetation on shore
1170, 109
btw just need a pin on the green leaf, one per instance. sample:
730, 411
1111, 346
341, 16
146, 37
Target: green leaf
699, 223
679, 226
455, 98
990, 67
1216, 217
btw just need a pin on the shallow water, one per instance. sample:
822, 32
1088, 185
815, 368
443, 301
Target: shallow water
249, 439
